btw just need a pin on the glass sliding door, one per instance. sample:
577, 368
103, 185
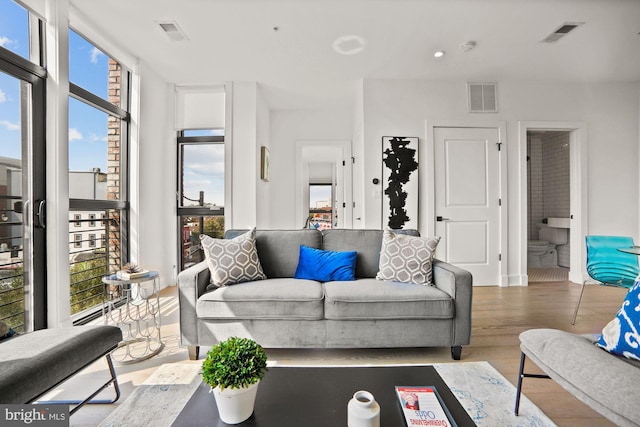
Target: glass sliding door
22, 195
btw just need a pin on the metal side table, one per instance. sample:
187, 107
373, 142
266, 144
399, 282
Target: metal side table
134, 306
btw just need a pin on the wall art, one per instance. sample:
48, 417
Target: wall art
400, 182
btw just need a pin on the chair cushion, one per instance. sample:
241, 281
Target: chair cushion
620, 335
407, 259
325, 266
281, 298
378, 299
234, 260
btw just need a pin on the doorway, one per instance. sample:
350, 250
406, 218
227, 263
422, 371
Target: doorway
573, 140
22, 195
548, 205
326, 163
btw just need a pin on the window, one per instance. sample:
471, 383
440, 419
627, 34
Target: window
77, 240
14, 21
23, 302
98, 153
201, 190
320, 206
77, 218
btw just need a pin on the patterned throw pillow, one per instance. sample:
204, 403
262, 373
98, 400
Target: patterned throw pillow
232, 260
621, 336
406, 259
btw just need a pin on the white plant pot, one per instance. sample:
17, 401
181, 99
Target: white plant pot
235, 405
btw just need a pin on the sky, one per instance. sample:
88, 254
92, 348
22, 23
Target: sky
88, 68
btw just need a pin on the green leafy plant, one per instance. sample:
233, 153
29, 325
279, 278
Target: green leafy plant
234, 363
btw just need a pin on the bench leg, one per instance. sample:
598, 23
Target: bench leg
79, 403
521, 376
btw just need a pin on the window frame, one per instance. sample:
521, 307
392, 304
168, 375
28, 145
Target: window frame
122, 204
193, 211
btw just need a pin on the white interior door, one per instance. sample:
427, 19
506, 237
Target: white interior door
467, 200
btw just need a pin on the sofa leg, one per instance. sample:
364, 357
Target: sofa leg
456, 352
194, 352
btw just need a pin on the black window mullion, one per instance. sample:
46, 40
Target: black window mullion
95, 101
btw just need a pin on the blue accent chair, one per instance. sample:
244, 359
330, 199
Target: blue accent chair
607, 265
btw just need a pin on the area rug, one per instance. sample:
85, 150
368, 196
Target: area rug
485, 394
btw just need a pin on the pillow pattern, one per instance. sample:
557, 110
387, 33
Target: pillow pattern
234, 260
621, 336
326, 266
407, 259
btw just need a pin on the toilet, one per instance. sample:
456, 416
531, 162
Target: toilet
542, 253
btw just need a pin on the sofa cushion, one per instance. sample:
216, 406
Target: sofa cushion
366, 243
407, 259
282, 298
232, 260
620, 335
325, 266
378, 299
278, 250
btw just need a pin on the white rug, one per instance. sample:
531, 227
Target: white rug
485, 394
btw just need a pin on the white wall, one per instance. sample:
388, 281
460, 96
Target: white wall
154, 230
287, 127
263, 137
610, 111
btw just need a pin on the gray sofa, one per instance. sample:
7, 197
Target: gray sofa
283, 312
605, 382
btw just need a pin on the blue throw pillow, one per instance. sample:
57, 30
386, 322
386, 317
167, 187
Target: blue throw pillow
326, 266
621, 336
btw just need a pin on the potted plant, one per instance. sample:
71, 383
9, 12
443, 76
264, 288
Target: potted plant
233, 369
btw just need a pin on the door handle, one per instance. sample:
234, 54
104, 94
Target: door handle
439, 218
40, 219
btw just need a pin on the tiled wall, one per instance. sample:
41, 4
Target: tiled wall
549, 183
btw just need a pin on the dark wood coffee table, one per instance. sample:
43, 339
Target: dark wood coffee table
318, 396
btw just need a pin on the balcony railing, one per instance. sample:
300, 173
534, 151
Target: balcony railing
94, 251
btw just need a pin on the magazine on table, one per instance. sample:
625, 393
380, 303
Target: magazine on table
423, 406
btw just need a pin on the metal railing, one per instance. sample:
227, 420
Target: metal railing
94, 242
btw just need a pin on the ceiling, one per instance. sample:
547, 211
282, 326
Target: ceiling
286, 45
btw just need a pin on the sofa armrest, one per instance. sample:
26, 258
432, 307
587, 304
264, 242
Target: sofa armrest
458, 283
192, 283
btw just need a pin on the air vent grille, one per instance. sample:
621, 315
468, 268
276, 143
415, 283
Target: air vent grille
561, 31
173, 31
482, 97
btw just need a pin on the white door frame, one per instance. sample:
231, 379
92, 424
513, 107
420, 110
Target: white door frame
427, 183
578, 191
330, 151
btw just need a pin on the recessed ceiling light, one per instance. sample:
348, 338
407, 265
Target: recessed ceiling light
438, 54
349, 45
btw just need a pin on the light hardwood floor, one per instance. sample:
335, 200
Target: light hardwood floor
499, 315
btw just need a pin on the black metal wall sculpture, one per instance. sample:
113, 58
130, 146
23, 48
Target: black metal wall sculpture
400, 181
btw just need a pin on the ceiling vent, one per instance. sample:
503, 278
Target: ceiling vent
482, 97
173, 31
562, 31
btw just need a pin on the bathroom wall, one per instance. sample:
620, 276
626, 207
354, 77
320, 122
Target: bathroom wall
549, 183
